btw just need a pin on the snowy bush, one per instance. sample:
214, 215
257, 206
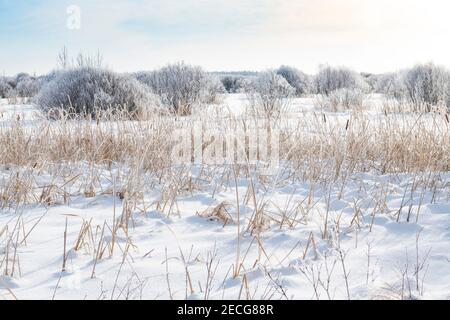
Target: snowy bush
213, 90
46, 78
270, 93
297, 79
330, 79
427, 85
88, 90
341, 100
27, 87
233, 84
419, 88
392, 85
181, 87
371, 80
145, 77
21, 77
20, 86
5, 87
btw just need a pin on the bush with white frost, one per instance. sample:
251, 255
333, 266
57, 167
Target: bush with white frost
214, 90
270, 93
419, 88
27, 87
300, 81
181, 87
5, 88
330, 79
340, 89
233, 84
392, 85
87, 90
428, 85
341, 100
20, 86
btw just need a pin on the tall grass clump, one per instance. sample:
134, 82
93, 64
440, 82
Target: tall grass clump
88, 89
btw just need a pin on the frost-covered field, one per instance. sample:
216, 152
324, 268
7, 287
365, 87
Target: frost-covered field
367, 226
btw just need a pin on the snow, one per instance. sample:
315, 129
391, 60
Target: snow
25, 113
169, 250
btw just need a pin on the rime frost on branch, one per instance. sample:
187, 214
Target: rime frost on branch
270, 93
181, 87
331, 79
428, 84
425, 85
300, 81
233, 84
22, 85
88, 89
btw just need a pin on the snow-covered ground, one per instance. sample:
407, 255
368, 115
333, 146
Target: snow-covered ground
372, 236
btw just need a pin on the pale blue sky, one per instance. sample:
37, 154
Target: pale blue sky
368, 35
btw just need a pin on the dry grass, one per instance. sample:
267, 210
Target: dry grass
390, 143
219, 213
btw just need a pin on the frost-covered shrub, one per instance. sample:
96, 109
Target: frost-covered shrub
428, 85
46, 78
419, 88
86, 90
300, 81
233, 84
145, 77
180, 86
27, 87
331, 79
214, 89
270, 93
5, 87
20, 86
392, 85
341, 100
371, 80
21, 77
